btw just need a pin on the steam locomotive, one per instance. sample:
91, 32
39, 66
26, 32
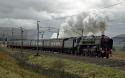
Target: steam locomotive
94, 46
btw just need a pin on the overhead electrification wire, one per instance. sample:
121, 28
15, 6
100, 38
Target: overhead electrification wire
113, 5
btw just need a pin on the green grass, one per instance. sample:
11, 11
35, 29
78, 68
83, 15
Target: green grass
20, 68
47, 62
76, 67
9, 68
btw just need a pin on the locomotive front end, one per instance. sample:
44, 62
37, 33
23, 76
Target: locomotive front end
97, 46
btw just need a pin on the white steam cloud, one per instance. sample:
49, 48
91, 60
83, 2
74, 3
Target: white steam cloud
85, 23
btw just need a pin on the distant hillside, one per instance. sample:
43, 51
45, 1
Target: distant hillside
119, 40
120, 36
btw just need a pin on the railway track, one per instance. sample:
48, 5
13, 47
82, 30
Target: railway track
114, 63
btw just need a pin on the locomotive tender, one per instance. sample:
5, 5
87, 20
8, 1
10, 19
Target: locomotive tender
96, 46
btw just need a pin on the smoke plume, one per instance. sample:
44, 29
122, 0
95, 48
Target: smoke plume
85, 23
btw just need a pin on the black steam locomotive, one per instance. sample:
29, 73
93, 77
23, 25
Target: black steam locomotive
96, 46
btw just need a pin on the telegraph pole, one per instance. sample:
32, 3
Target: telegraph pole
3, 39
21, 39
38, 38
57, 33
12, 38
82, 32
42, 35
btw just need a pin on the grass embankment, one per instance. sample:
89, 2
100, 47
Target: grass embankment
9, 68
16, 65
54, 66
76, 67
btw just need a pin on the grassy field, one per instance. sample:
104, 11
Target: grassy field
76, 67
14, 65
118, 54
51, 66
9, 68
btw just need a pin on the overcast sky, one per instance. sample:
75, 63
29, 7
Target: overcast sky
16, 13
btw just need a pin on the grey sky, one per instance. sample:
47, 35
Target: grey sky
53, 12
